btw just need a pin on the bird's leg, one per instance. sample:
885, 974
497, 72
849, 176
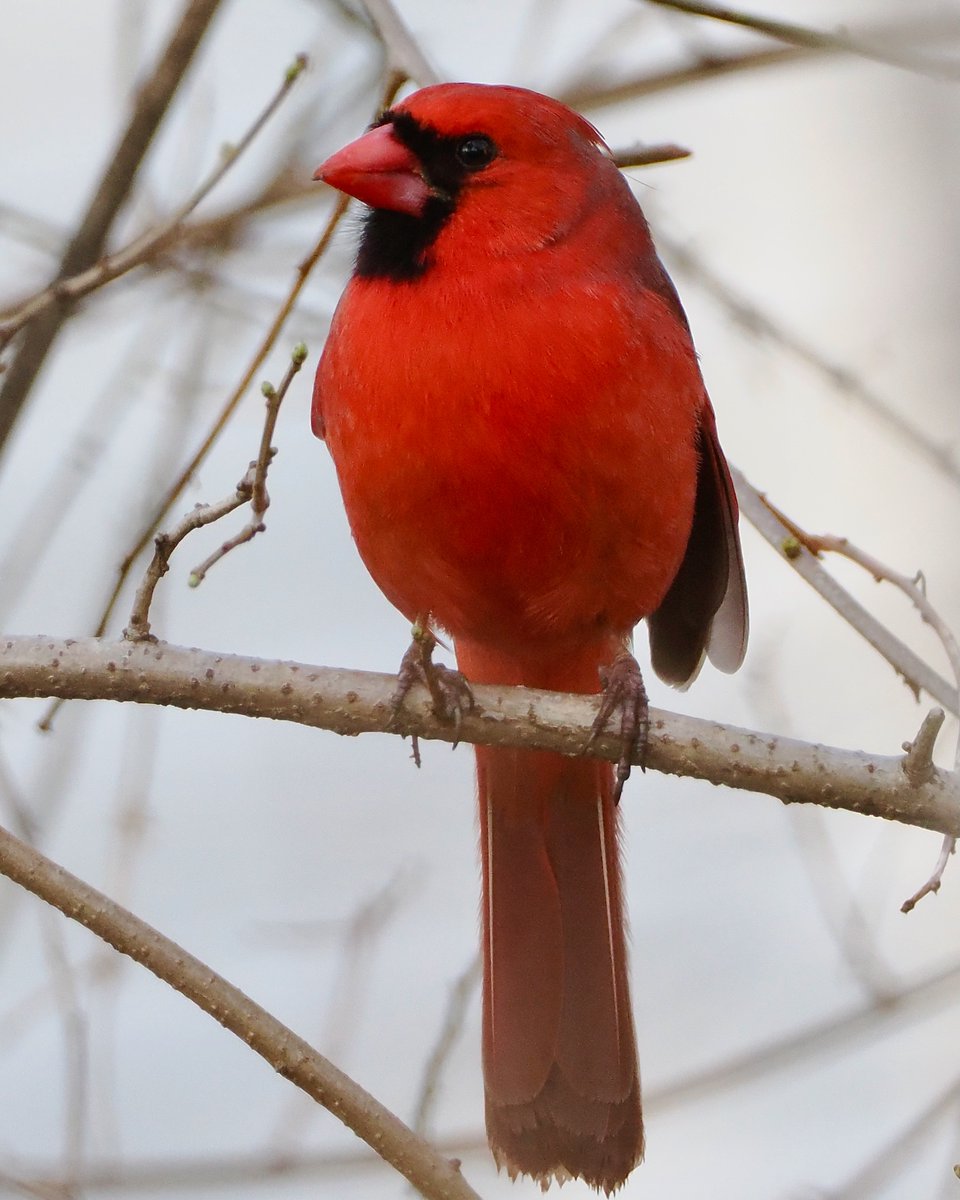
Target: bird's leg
449, 690
623, 689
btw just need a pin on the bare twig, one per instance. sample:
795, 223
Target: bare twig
865, 1022
112, 266
64, 987
361, 935
932, 886
877, 1175
810, 39
87, 244
404, 55
219, 424
233, 400
648, 156
912, 586
914, 671
457, 1002
352, 702
759, 322
433, 1175
919, 761
259, 499
929, 994
597, 91
846, 918
138, 629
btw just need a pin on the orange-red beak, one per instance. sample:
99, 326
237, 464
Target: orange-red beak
379, 170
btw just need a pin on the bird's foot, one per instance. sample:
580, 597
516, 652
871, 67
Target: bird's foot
623, 689
449, 691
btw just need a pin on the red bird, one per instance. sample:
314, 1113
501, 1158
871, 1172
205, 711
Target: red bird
529, 460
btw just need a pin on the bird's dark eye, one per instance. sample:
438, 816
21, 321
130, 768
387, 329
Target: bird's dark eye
475, 152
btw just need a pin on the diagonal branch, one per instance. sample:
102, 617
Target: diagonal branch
87, 244
150, 244
914, 671
404, 55
433, 1175
810, 39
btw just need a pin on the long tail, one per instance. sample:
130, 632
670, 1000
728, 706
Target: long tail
559, 1053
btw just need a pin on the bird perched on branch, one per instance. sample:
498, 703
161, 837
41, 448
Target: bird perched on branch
529, 460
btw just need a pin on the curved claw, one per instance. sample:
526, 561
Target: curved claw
449, 690
623, 689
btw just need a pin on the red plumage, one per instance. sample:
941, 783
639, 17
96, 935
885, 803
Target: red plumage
528, 459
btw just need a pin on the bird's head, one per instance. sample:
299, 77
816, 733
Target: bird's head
462, 170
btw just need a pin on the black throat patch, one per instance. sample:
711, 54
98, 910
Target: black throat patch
396, 245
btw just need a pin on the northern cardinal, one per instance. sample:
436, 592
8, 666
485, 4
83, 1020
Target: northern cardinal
529, 460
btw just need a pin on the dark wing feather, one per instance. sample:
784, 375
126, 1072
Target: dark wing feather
705, 610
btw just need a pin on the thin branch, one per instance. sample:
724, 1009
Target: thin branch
220, 422
87, 244
352, 702
912, 587
826, 1038
758, 322
877, 1174
179, 485
919, 761
458, 1001
915, 672
360, 934
64, 987
201, 515
252, 487
404, 55
947, 847
929, 994
112, 266
648, 156
434, 1176
810, 39
597, 90
259, 499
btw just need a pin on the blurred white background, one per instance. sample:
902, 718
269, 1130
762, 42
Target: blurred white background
799, 1037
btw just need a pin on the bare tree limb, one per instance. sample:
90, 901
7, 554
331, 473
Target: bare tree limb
919, 999
458, 1000
914, 671
233, 400
87, 244
150, 243
919, 760
759, 322
352, 702
810, 39
431, 1174
595, 88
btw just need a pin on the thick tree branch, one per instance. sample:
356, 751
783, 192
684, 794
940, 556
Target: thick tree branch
352, 702
431, 1174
